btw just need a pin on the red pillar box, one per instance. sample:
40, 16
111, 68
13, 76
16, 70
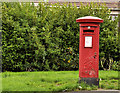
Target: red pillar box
89, 49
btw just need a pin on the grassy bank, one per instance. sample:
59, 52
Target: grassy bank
54, 81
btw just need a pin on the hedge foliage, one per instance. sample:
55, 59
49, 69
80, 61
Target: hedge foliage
46, 37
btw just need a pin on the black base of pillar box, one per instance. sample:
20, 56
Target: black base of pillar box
90, 81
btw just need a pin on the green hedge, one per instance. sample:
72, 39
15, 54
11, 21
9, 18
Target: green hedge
44, 37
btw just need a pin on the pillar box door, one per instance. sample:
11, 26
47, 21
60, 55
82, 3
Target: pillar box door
89, 49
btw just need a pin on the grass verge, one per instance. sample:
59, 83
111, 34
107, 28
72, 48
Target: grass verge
54, 81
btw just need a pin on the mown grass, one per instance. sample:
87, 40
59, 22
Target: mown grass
0, 82
54, 81
108, 79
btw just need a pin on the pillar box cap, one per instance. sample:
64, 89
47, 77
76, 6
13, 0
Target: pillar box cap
89, 19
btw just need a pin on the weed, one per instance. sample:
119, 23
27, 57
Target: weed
84, 86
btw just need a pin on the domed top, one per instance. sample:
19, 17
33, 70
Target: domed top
89, 19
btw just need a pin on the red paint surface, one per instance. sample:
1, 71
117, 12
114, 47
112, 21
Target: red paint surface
89, 19
89, 56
